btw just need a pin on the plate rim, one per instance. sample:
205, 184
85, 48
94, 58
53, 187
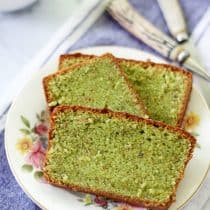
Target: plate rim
50, 63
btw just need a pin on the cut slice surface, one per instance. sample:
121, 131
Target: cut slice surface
116, 155
164, 89
98, 83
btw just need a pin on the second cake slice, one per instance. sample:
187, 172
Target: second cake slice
164, 89
97, 83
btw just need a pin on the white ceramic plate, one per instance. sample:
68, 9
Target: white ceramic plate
31, 101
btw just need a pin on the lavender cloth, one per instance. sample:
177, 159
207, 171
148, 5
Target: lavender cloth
104, 32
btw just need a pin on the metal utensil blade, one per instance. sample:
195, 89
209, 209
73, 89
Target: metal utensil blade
194, 66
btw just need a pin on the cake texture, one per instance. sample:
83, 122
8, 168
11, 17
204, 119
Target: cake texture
68, 60
98, 83
164, 89
116, 155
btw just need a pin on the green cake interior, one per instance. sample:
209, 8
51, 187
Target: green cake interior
98, 84
121, 156
162, 91
66, 62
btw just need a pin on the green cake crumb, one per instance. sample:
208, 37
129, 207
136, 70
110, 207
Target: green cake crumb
162, 91
66, 63
116, 155
97, 84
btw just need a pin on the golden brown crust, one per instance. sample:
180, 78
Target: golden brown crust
46, 79
147, 64
69, 56
132, 201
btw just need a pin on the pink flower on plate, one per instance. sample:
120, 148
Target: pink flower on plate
123, 206
37, 154
101, 201
41, 129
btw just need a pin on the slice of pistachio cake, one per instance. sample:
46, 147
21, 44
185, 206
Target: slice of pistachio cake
98, 83
164, 89
116, 155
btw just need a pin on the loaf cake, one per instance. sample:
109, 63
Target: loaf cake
98, 83
164, 89
116, 155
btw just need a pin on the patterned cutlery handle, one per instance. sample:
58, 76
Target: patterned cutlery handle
136, 24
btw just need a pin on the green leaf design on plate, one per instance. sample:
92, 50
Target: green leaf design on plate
38, 117
27, 167
25, 121
198, 145
87, 200
194, 133
43, 116
34, 136
80, 200
38, 175
25, 131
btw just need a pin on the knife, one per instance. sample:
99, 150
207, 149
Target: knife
174, 18
123, 12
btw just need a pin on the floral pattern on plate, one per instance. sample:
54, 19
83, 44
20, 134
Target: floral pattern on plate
107, 204
33, 143
191, 121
